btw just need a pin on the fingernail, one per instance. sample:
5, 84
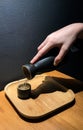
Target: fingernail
31, 61
55, 64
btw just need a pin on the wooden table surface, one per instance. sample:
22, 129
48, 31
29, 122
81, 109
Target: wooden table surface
68, 119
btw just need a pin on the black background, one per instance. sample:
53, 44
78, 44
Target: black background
24, 24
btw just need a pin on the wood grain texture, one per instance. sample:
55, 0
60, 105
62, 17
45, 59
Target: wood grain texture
48, 96
70, 119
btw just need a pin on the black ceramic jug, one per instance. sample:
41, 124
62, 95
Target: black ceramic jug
43, 65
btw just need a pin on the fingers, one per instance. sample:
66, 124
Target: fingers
60, 56
41, 53
36, 57
42, 45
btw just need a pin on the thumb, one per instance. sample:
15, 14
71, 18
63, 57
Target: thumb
59, 57
57, 60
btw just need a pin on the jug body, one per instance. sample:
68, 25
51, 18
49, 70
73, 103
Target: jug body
43, 65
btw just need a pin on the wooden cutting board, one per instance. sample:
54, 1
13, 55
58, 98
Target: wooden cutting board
48, 96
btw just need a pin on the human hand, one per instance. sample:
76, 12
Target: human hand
63, 39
